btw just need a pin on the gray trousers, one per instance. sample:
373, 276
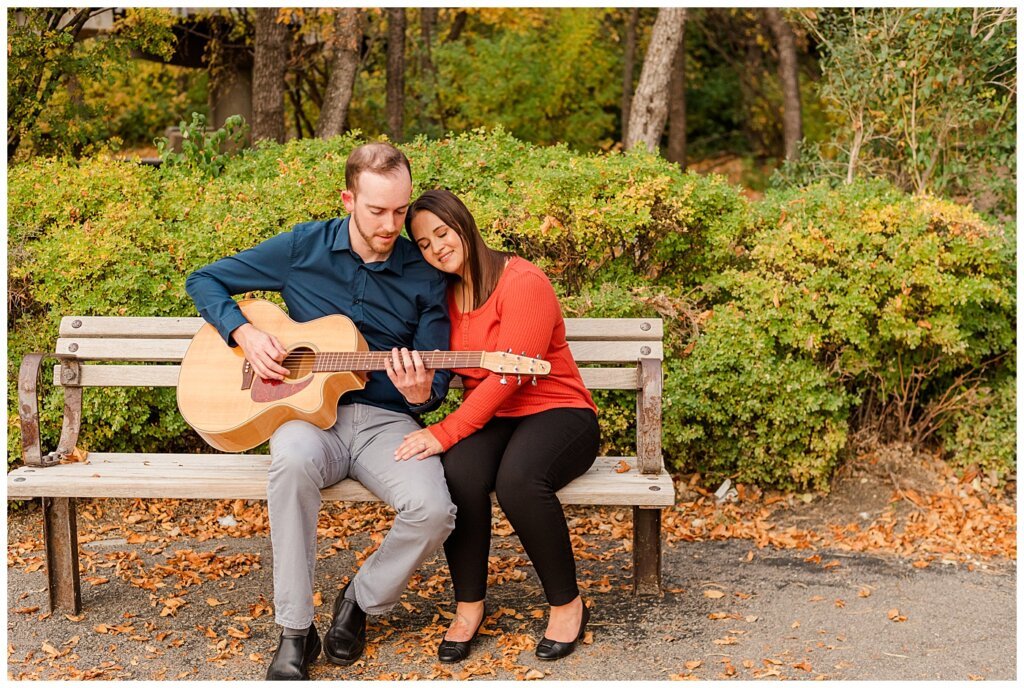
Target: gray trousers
361, 445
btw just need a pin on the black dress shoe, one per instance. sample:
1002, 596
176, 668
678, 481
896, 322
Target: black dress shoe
345, 641
450, 651
293, 656
553, 649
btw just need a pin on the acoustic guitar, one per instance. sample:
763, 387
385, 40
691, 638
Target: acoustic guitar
234, 410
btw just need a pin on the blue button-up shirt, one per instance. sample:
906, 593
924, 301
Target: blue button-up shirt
398, 302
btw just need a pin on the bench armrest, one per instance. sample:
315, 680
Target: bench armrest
28, 408
648, 417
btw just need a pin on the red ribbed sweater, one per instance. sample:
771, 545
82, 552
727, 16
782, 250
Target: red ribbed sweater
522, 314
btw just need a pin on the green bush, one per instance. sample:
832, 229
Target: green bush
893, 295
579, 214
785, 319
737, 407
985, 435
102, 237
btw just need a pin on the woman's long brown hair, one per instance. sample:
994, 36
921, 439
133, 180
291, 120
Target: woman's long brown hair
484, 263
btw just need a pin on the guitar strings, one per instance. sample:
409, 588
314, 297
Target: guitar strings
358, 359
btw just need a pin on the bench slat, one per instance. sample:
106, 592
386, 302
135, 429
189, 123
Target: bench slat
614, 329
108, 349
172, 350
196, 476
76, 326
129, 327
167, 376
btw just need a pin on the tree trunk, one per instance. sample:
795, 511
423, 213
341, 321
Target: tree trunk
396, 73
458, 24
428, 18
792, 120
344, 60
270, 48
676, 151
650, 104
628, 68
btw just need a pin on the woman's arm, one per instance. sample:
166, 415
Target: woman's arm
529, 312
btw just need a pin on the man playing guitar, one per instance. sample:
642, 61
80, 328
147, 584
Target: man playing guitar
360, 267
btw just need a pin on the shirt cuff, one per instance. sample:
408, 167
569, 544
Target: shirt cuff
421, 408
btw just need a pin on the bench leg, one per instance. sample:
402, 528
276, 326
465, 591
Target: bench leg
60, 532
646, 551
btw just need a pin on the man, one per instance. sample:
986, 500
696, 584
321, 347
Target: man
361, 267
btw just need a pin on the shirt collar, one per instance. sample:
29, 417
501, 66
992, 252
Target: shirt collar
395, 262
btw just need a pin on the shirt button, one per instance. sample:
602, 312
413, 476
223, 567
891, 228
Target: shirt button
356, 302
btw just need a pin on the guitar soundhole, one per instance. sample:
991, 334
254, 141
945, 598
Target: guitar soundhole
299, 362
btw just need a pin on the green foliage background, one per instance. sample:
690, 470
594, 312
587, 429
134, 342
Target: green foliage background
784, 317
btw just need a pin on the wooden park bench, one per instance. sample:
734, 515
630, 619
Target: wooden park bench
614, 353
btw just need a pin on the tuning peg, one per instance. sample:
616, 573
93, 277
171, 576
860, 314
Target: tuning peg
519, 379
534, 383
503, 380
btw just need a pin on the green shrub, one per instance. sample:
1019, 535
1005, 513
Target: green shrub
893, 295
737, 407
101, 237
579, 214
985, 435
203, 150
784, 319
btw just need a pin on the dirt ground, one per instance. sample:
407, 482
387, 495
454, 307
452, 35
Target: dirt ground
169, 592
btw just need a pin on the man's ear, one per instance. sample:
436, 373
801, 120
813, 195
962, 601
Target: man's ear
348, 199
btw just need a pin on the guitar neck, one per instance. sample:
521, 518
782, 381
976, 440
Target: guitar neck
334, 361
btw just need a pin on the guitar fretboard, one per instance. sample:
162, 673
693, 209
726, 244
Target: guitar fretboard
333, 361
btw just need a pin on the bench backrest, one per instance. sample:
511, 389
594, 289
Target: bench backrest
613, 353
113, 340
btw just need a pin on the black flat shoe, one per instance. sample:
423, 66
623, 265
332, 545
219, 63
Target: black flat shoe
345, 641
553, 649
450, 651
293, 656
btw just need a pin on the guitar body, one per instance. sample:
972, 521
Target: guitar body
233, 411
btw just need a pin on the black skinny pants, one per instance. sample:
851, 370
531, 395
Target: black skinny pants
524, 461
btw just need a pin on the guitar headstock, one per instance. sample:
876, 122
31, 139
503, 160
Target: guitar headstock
511, 364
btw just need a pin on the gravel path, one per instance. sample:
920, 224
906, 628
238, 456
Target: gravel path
730, 611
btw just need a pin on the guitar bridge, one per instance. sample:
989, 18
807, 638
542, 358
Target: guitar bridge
246, 374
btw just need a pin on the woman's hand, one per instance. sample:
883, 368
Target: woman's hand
406, 371
418, 445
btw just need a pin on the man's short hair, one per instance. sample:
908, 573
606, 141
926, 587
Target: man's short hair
377, 157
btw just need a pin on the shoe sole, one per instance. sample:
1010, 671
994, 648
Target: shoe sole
339, 661
452, 660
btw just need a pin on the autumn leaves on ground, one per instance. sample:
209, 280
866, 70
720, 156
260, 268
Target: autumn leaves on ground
192, 578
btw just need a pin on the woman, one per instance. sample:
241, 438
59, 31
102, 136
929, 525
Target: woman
523, 439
